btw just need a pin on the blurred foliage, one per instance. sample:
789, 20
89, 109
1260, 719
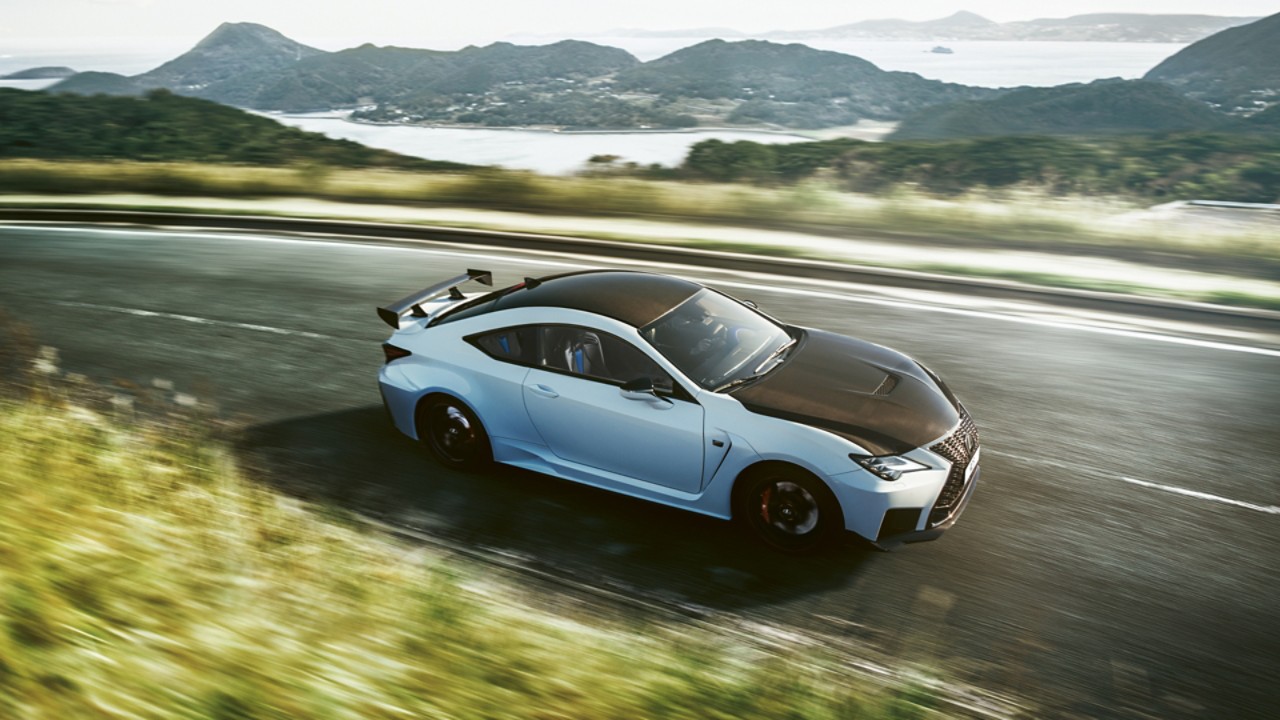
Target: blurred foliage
1015, 217
141, 575
166, 127
1209, 166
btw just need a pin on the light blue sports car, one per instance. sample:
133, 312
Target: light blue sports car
667, 390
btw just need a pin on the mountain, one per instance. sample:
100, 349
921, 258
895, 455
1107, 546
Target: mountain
254, 66
1237, 69
961, 25
98, 83
417, 81
164, 127
234, 55
362, 75
230, 51
792, 85
1103, 107
1123, 27
40, 73
1101, 27
571, 83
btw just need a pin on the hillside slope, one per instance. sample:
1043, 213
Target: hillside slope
1236, 68
792, 85
167, 127
1103, 107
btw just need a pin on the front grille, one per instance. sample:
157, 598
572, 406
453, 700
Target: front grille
959, 448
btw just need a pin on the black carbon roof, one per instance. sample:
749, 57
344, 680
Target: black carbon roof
635, 298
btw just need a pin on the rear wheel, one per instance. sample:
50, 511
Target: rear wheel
789, 509
453, 434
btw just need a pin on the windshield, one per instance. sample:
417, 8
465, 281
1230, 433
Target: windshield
717, 341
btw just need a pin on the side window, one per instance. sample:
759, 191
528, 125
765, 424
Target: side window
598, 355
516, 345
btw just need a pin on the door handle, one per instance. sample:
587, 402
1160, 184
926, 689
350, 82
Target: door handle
544, 391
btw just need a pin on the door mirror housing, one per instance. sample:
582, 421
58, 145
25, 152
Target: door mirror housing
641, 389
638, 385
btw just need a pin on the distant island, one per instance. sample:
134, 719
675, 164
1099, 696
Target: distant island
964, 25
573, 84
40, 73
569, 84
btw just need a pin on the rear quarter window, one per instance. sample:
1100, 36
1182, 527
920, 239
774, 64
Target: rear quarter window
515, 345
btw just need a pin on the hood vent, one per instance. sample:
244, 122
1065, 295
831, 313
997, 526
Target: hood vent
887, 385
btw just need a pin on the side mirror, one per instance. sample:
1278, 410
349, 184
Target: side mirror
641, 389
639, 385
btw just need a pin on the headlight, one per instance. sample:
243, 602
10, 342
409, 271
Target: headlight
887, 467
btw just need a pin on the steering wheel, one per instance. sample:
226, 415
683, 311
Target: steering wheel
715, 340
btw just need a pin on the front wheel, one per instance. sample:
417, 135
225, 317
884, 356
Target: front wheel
453, 434
789, 509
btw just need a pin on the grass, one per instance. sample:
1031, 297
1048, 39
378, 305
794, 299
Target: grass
1019, 219
143, 575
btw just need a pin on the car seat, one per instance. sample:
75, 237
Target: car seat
585, 356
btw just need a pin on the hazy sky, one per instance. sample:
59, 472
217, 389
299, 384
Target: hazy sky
447, 24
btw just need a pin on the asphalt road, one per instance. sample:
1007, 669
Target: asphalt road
1079, 578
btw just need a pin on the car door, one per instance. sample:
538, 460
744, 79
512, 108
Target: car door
575, 400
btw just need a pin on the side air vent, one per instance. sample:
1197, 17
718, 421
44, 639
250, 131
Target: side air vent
887, 385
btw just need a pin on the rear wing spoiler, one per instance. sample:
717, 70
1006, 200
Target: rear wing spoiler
391, 313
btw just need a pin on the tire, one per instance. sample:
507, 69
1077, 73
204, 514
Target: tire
453, 434
788, 509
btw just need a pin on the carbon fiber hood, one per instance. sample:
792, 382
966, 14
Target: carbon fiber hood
874, 396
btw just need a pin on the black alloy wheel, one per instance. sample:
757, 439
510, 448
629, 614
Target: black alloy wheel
453, 434
790, 510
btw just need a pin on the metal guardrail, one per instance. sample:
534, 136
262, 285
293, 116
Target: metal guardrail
724, 260
1233, 205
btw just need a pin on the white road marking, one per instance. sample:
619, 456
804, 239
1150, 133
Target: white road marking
824, 294
1268, 509
196, 320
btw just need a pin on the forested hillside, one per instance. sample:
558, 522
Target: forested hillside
1103, 107
1236, 68
166, 127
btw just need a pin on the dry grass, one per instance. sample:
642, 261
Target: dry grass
141, 575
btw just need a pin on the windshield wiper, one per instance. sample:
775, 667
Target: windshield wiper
756, 374
774, 356
735, 383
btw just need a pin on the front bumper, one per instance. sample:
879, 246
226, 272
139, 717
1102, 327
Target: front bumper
934, 532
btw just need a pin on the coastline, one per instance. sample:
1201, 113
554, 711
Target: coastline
868, 130
550, 150
345, 116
